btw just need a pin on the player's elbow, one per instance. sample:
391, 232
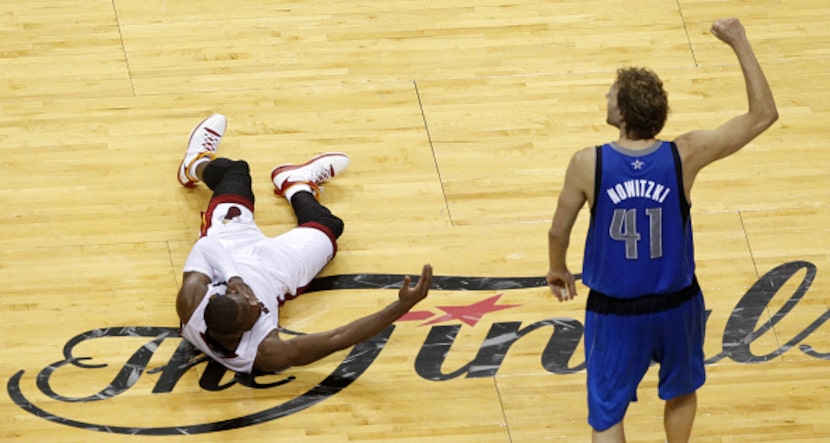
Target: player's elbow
558, 237
771, 116
764, 122
765, 117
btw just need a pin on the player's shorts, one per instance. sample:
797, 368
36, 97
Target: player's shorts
619, 348
290, 260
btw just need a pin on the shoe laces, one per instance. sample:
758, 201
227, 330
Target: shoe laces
322, 174
210, 141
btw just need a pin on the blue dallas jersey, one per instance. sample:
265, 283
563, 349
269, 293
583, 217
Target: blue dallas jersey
640, 237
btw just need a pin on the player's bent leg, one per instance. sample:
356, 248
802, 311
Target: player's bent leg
679, 417
233, 196
298, 256
309, 211
229, 177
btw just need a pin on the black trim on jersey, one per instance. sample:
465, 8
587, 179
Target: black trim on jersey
685, 206
597, 180
647, 304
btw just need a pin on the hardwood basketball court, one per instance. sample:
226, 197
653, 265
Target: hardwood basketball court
459, 119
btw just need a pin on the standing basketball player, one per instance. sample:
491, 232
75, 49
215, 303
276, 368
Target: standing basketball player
644, 302
236, 278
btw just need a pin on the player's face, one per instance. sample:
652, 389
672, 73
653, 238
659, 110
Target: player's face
613, 117
249, 309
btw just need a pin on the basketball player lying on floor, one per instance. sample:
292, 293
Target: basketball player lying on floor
236, 278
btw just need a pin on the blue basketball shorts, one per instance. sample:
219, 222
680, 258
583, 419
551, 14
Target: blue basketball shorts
619, 348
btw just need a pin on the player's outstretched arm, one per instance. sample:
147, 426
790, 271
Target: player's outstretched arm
699, 148
275, 354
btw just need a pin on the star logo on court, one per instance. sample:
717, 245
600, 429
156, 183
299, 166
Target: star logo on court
469, 314
637, 164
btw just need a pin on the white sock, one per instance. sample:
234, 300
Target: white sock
293, 189
195, 164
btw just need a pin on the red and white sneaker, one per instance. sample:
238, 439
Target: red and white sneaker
313, 173
201, 147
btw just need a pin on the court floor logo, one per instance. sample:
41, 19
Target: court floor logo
747, 321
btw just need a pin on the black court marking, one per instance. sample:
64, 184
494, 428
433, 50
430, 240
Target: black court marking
441, 283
